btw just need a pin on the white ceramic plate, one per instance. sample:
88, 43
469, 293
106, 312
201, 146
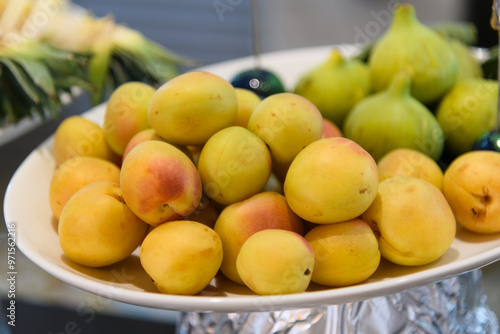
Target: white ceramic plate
26, 205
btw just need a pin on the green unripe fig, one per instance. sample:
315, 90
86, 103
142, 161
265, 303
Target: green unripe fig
469, 66
410, 46
466, 112
394, 119
335, 86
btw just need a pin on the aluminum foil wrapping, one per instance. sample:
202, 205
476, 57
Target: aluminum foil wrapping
454, 305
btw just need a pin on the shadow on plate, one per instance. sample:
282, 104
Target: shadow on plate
122, 274
471, 237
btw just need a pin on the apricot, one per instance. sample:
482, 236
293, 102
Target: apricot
78, 136
330, 129
233, 165
247, 102
97, 228
190, 108
238, 221
159, 182
331, 180
412, 220
471, 186
75, 173
126, 114
274, 262
410, 162
181, 257
346, 253
287, 123
150, 134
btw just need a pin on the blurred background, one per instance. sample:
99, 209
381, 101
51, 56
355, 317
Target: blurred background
210, 31
218, 30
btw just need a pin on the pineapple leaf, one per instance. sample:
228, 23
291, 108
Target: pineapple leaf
22, 79
39, 74
98, 71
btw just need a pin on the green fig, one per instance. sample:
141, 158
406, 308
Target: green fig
335, 86
394, 119
410, 46
466, 112
468, 65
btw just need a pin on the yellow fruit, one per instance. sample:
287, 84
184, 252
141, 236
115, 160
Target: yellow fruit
238, 221
126, 114
472, 187
274, 261
234, 164
247, 102
413, 163
75, 173
331, 180
159, 182
287, 123
96, 227
182, 257
346, 253
190, 108
412, 220
78, 136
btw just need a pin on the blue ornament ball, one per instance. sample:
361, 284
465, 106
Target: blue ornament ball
262, 82
489, 141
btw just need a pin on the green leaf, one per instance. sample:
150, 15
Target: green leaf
98, 71
22, 79
39, 74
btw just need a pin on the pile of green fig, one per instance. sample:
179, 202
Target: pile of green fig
414, 87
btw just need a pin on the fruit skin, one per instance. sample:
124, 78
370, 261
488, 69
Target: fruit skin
346, 253
75, 173
234, 164
287, 123
472, 187
126, 114
141, 136
182, 257
330, 129
247, 102
335, 86
150, 134
97, 228
411, 47
190, 108
78, 136
288, 270
468, 65
467, 111
159, 182
413, 163
331, 180
394, 119
412, 220
238, 221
